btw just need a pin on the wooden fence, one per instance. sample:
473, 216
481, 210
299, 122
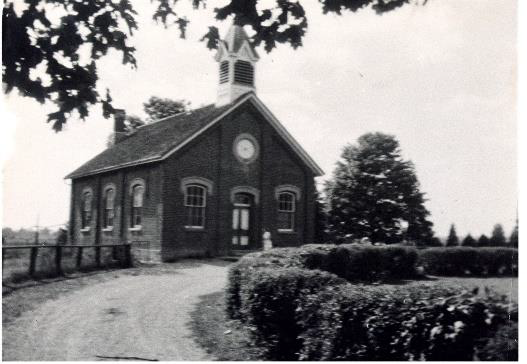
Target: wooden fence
124, 257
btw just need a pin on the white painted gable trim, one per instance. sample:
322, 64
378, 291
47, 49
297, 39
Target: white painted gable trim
270, 118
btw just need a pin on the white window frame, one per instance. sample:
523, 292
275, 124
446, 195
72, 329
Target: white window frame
86, 192
188, 206
110, 187
136, 183
291, 212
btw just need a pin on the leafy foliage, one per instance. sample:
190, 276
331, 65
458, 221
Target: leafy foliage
295, 313
452, 239
374, 193
469, 261
469, 241
483, 240
513, 240
158, 108
497, 237
350, 322
50, 49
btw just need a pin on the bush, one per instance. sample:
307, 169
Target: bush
468, 261
503, 346
370, 263
268, 301
350, 322
299, 307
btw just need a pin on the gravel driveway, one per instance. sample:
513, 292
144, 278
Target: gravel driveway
129, 317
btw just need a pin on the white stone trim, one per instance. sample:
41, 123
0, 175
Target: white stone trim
195, 180
288, 188
135, 182
246, 189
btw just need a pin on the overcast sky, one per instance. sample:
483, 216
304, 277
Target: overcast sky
441, 78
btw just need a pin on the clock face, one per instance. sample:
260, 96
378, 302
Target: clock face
245, 149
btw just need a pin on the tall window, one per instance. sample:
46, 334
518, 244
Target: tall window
286, 211
86, 209
138, 192
108, 213
195, 204
243, 73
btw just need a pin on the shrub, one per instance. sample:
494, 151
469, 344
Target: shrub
463, 261
350, 322
503, 346
356, 262
268, 301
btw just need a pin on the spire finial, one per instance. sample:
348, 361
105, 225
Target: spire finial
236, 58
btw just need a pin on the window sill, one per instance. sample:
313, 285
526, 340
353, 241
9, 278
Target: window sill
136, 228
194, 228
108, 229
286, 231
85, 230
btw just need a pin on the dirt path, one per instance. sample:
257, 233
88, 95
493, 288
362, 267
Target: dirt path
143, 316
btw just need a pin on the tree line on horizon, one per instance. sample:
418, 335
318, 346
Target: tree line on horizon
497, 238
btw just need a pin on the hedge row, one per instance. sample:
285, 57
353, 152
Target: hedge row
305, 314
356, 262
467, 261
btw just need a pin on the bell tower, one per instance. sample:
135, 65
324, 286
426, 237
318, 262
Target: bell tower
236, 59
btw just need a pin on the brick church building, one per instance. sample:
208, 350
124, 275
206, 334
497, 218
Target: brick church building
203, 182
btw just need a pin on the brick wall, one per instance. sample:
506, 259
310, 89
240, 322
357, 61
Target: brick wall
121, 180
211, 156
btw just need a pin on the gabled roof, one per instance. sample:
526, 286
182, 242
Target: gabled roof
157, 141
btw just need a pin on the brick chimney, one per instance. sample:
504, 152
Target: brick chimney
119, 127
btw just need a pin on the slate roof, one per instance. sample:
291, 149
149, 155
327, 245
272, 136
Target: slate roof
152, 141
155, 141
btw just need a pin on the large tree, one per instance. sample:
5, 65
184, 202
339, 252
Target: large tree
374, 193
452, 239
158, 108
497, 237
50, 36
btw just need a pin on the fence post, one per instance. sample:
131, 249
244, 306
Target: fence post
98, 256
128, 255
79, 257
58, 259
33, 260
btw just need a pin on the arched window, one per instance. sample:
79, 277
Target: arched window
108, 212
195, 204
286, 211
86, 212
224, 71
138, 191
243, 73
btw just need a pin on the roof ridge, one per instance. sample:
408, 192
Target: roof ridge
174, 115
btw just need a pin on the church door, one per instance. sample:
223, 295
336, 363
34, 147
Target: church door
242, 221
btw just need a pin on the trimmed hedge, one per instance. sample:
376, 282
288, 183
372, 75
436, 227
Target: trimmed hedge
366, 262
269, 304
298, 305
468, 261
312, 315
350, 322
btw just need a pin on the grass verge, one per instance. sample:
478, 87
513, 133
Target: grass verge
225, 339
